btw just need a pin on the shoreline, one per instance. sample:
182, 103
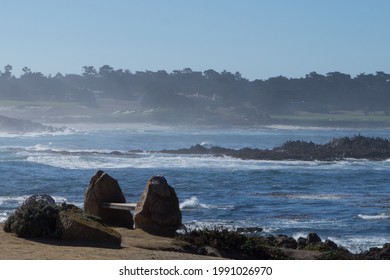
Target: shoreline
139, 245
136, 245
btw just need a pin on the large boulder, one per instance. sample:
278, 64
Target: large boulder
158, 211
39, 198
104, 188
73, 225
36, 217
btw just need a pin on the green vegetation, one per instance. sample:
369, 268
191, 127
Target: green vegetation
347, 116
210, 97
33, 220
232, 244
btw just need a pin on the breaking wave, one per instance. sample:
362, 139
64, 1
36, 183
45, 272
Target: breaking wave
193, 203
381, 216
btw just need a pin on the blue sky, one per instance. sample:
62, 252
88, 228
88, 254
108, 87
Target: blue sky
258, 38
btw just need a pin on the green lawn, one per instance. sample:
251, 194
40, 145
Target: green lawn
349, 116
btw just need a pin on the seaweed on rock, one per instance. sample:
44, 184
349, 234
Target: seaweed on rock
36, 219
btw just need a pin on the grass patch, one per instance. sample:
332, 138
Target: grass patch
348, 116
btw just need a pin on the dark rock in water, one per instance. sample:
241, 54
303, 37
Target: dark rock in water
302, 242
286, 242
358, 147
249, 230
104, 188
331, 244
74, 226
158, 210
377, 253
313, 238
35, 218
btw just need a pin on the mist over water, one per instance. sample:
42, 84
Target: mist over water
346, 201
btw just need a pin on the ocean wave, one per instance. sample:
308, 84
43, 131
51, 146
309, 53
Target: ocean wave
3, 217
194, 203
358, 244
15, 201
381, 216
59, 132
309, 196
87, 159
47, 149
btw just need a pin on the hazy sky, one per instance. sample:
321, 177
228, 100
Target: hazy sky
258, 38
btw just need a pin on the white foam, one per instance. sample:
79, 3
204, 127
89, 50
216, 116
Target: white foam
88, 159
12, 199
18, 200
309, 196
380, 216
60, 132
358, 244
193, 203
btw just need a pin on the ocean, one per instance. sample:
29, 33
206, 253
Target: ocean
345, 201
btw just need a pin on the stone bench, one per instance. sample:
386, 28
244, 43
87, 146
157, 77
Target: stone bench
119, 206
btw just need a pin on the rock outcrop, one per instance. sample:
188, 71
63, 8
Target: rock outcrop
104, 188
74, 226
377, 253
40, 216
36, 217
357, 147
158, 211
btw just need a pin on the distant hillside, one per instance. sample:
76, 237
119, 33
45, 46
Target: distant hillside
207, 97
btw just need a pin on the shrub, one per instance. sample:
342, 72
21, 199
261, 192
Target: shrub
33, 220
231, 243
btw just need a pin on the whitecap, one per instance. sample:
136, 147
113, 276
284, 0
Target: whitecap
18, 200
193, 203
381, 216
12, 200
358, 244
307, 196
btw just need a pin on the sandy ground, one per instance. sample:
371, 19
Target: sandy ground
136, 244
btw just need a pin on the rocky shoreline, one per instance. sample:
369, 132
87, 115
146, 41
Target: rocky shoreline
357, 147
238, 245
157, 216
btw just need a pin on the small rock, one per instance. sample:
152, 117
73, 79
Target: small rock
331, 244
313, 238
302, 242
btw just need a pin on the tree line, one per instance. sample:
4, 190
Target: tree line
208, 90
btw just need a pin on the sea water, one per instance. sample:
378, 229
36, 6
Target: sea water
345, 201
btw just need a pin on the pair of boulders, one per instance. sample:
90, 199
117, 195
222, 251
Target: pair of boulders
40, 216
157, 211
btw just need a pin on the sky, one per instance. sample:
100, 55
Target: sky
258, 38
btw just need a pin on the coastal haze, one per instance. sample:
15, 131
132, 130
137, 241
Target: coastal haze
134, 83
